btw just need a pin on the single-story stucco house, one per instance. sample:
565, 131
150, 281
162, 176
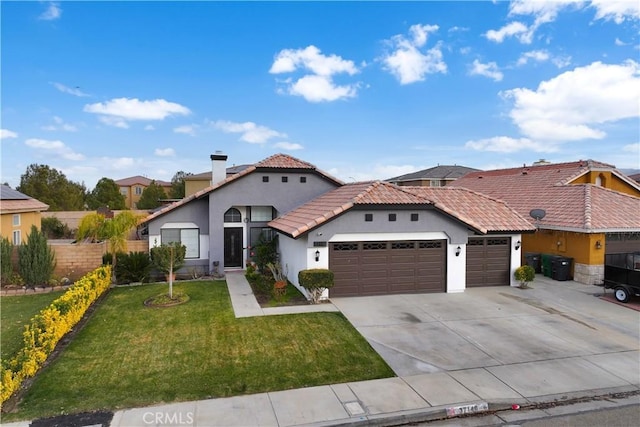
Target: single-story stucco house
377, 237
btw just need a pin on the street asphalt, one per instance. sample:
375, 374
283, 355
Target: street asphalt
481, 351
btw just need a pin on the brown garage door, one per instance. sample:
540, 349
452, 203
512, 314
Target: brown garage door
488, 261
618, 243
387, 267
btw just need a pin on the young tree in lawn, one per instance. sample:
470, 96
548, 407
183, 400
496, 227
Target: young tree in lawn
169, 258
53, 188
95, 227
151, 196
36, 259
106, 193
177, 185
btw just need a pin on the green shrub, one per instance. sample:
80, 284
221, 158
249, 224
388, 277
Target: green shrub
6, 267
36, 259
53, 228
525, 274
107, 258
266, 252
315, 281
46, 328
132, 267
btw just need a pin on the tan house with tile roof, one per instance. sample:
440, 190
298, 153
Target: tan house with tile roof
18, 212
132, 187
437, 176
377, 238
591, 209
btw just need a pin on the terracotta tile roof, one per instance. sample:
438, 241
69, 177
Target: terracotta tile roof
142, 180
572, 207
277, 161
449, 172
13, 201
476, 210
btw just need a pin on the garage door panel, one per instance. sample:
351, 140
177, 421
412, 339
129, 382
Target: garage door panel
388, 267
488, 261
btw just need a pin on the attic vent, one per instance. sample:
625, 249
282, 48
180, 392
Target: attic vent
480, 177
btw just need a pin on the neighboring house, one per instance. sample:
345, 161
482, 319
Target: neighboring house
18, 212
200, 181
131, 188
591, 210
438, 176
378, 238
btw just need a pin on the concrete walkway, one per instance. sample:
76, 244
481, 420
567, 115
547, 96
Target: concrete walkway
245, 305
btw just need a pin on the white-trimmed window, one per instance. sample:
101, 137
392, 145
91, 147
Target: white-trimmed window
189, 237
232, 215
435, 183
16, 220
138, 190
17, 237
261, 213
124, 191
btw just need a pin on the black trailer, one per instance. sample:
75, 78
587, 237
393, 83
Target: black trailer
622, 274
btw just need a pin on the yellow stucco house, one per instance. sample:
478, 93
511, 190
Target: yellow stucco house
591, 209
132, 187
18, 212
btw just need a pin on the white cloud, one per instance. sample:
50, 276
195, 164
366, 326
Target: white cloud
619, 42
318, 86
164, 152
186, 129
60, 124
512, 29
367, 172
407, 62
561, 61
52, 13
117, 163
311, 59
617, 10
490, 70
149, 127
505, 144
536, 55
570, 106
118, 122
117, 112
250, 132
57, 148
289, 146
632, 148
71, 91
6, 133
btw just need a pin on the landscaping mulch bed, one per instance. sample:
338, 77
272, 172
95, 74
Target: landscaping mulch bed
101, 418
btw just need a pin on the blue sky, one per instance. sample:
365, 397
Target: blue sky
361, 90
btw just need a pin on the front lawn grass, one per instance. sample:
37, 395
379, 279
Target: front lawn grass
15, 313
129, 355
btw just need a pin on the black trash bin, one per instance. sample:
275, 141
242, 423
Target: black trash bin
561, 268
533, 260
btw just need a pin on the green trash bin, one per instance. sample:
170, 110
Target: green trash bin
546, 264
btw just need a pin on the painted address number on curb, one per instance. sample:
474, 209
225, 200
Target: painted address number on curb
467, 409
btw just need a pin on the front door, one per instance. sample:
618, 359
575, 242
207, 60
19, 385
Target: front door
233, 247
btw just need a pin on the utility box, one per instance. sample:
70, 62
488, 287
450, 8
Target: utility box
561, 268
533, 260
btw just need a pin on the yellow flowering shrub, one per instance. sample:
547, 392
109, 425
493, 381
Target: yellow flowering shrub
46, 328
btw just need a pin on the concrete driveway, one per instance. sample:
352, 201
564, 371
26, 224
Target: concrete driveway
554, 338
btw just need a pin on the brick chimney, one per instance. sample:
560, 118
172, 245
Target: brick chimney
218, 167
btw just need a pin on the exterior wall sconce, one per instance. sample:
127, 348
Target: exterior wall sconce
518, 243
246, 219
458, 250
598, 244
317, 256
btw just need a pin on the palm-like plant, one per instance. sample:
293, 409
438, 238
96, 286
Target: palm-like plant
95, 227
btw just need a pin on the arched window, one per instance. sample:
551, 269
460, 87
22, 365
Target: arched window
232, 215
601, 180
